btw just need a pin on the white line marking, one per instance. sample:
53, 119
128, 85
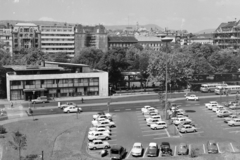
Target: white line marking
155, 134
128, 109
129, 154
219, 149
175, 151
116, 110
167, 133
204, 151
193, 133
160, 153
144, 154
161, 138
232, 128
139, 108
232, 147
189, 149
150, 131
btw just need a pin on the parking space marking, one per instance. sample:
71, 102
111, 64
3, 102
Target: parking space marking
116, 110
192, 133
189, 149
111, 140
139, 108
232, 147
150, 131
161, 138
129, 154
144, 154
218, 148
204, 151
128, 109
155, 134
232, 127
175, 151
167, 133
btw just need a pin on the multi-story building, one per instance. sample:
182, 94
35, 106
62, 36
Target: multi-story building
53, 79
149, 41
90, 36
121, 41
57, 38
6, 37
227, 35
25, 35
202, 38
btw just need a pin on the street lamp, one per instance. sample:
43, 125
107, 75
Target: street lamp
166, 40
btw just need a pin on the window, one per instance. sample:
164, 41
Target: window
30, 82
15, 83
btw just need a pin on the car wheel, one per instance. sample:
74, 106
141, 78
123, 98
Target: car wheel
107, 138
155, 128
195, 130
68, 111
94, 148
195, 99
185, 131
106, 147
187, 99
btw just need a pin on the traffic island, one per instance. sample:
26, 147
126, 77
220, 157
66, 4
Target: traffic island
173, 131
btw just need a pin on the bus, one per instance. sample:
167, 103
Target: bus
210, 87
233, 89
221, 90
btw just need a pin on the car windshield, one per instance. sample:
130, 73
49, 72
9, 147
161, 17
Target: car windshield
114, 151
152, 147
137, 147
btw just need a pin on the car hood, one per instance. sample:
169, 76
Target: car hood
182, 150
136, 150
117, 156
152, 151
212, 148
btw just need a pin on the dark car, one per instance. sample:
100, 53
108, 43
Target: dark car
117, 152
166, 149
183, 149
212, 147
152, 150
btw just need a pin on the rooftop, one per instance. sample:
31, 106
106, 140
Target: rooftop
122, 39
148, 38
26, 24
30, 68
66, 64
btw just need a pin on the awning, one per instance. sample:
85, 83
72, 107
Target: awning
34, 89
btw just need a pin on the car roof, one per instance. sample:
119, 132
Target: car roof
211, 141
97, 140
137, 144
153, 144
165, 143
213, 101
116, 147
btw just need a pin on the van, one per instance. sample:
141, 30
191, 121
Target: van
41, 99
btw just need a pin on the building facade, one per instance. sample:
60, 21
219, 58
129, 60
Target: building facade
121, 41
151, 42
6, 38
227, 35
54, 79
90, 36
26, 35
57, 38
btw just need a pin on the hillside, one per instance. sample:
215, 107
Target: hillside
206, 31
121, 27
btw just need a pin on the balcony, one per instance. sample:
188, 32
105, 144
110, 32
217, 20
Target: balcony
49, 86
65, 85
17, 87
57, 42
93, 84
53, 46
56, 51
57, 37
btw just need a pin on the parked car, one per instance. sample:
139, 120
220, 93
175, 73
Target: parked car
150, 110
99, 126
224, 113
212, 147
102, 130
108, 115
210, 103
150, 115
137, 149
145, 108
41, 99
67, 104
94, 122
231, 117
230, 103
153, 117
234, 122
153, 121
218, 107
159, 125
72, 109
98, 136
179, 120
166, 149
98, 144
187, 128
186, 123
152, 150
103, 117
183, 149
234, 106
104, 123
211, 106
117, 152
192, 97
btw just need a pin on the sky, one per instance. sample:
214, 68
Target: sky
192, 15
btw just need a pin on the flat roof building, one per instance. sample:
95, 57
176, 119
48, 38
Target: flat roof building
53, 79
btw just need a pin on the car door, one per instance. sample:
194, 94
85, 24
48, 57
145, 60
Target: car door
100, 145
238, 122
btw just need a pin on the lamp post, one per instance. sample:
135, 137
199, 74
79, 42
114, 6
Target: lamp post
166, 40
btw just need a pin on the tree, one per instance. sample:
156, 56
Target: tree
19, 142
59, 57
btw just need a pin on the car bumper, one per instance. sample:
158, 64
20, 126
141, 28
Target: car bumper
136, 154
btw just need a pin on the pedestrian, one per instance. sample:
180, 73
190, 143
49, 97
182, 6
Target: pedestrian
11, 104
82, 100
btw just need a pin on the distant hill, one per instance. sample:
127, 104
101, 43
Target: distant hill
206, 31
121, 27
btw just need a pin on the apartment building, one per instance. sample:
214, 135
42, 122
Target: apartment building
149, 41
6, 37
227, 35
121, 41
25, 35
54, 79
58, 38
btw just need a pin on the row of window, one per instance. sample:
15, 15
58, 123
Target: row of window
58, 49
62, 35
57, 39
57, 30
57, 44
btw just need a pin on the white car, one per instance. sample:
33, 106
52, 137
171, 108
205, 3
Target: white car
159, 125
153, 117
210, 103
137, 149
179, 120
99, 126
224, 113
98, 136
231, 117
67, 104
145, 108
72, 109
211, 106
187, 128
150, 110
98, 144
101, 130
103, 116
150, 115
94, 122
218, 107
177, 117
234, 122
153, 121
108, 115
104, 123
192, 97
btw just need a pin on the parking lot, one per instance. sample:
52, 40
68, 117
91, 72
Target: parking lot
131, 128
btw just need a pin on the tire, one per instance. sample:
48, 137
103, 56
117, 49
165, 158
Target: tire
107, 138
195, 130
68, 111
187, 99
94, 148
185, 131
106, 147
155, 128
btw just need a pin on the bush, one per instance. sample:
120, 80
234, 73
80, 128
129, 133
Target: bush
2, 130
31, 157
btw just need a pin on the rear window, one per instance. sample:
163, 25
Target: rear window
114, 151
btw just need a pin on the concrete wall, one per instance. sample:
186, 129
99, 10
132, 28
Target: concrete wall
103, 79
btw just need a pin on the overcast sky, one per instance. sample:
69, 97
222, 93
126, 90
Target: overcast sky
192, 15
